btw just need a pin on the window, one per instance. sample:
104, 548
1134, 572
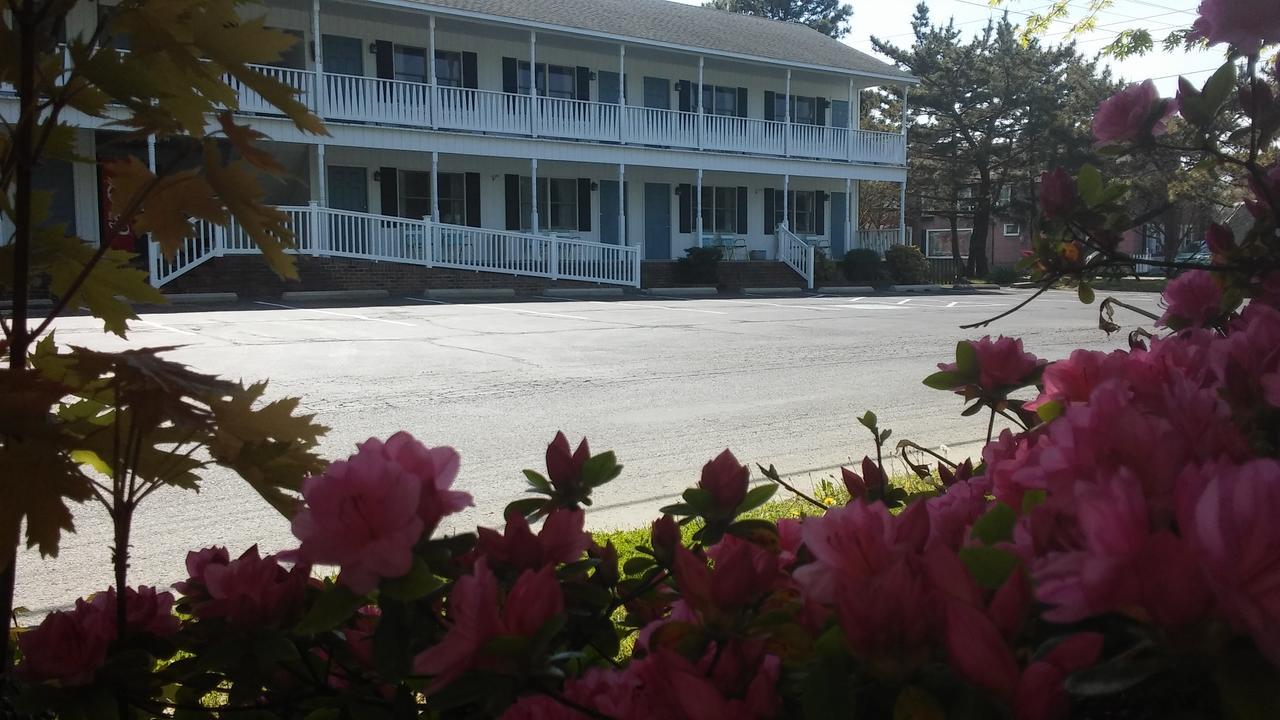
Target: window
448, 68
1006, 195
720, 210
1012, 230
557, 81
557, 204
937, 243
410, 64
804, 110
294, 56
415, 194
453, 198
720, 100
802, 209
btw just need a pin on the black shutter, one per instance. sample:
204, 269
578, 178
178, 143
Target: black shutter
513, 202
584, 84
821, 111
385, 64
469, 79
472, 189
685, 191
510, 81
742, 102
768, 105
390, 191
584, 204
742, 210
819, 212
686, 95
769, 213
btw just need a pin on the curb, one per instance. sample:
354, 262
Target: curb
847, 290
583, 292
201, 297
773, 291
335, 295
31, 303
683, 291
463, 293
1024, 285
916, 288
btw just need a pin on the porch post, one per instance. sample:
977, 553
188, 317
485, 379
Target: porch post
699, 207
533, 191
533, 94
435, 186
622, 91
697, 103
431, 76
322, 179
848, 217
853, 118
787, 117
320, 231
786, 199
622, 205
319, 102
904, 123
902, 212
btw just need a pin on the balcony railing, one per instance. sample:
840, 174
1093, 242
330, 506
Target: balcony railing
350, 98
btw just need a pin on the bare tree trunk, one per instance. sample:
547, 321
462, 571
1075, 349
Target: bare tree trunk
957, 262
978, 266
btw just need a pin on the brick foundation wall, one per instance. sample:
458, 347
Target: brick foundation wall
250, 277
732, 276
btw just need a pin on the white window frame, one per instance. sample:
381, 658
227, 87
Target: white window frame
720, 210
397, 50
545, 215
448, 59
403, 199
714, 93
795, 216
929, 244
543, 79
1017, 229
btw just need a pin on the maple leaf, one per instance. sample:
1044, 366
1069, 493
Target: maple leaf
240, 191
243, 137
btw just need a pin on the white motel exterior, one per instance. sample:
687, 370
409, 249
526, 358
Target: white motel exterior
563, 139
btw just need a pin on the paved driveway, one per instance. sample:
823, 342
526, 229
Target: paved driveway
665, 382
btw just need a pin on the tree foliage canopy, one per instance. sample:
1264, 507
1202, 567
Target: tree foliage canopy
830, 17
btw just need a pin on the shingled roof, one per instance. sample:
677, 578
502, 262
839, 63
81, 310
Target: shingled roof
685, 26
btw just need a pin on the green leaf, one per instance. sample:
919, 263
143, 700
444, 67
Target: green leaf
989, 566
537, 482
966, 359
697, 499
1050, 410
417, 584
995, 525
973, 409
600, 469
1219, 86
826, 691
1032, 499
1089, 183
757, 496
525, 506
944, 380
1086, 293
637, 565
332, 608
678, 509
274, 648
868, 420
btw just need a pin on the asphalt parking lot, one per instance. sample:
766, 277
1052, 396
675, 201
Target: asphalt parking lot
665, 382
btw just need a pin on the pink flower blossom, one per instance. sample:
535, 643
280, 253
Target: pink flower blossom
855, 541
872, 478
1002, 365
743, 571
1194, 299
664, 538
475, 618
1219, 239
1057, 193
1041, 694
560, 540
436, 468
725, 480
68, 647
1227, 513
1245, 24
888, 617
146, 611
1268, 187
363, 515
1133, 113
564, 468
952, 513
1072, 380
250, 591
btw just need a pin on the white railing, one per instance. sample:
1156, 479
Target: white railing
250, 101
327, 232
796, 253
879, 239
877, 147
483, 111
393, 102
576, 119
817, 141
652, 126
1146, 268
745, 135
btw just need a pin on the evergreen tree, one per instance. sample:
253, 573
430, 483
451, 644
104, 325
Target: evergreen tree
830, 17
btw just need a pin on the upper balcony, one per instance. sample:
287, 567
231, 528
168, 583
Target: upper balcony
398, 103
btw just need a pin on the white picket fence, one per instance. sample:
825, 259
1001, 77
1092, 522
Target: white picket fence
879, 239
326, 232
796, 253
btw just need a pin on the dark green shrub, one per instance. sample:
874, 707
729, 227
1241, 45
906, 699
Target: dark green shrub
824, 268
699, 265
1004, 275
907, 265
862, 264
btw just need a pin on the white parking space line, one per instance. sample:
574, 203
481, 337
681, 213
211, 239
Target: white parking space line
835, 308
532, 312
655, 307
904, 301
335, 314
166, 327
427, 300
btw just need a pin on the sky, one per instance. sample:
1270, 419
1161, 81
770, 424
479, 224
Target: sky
891, 20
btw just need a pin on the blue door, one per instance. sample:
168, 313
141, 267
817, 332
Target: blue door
343, 55
657, 221
609, 212
348, 188
839, 211
607, 86
657, 93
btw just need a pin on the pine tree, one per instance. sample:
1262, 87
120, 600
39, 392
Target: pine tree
829, 17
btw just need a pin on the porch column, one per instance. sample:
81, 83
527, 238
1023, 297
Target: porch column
533, 192
786, 193
787, 117
322, 177
848, 216
151, 153
319, 101
435, 186
533, 94
853, 122
622, 205
697, 104
902, 212
622, 92
904, 123
431, 82
699, 207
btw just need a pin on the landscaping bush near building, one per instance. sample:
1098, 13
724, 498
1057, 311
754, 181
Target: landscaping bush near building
824, 268
907, 265
862, 265
1004, 275
699, 266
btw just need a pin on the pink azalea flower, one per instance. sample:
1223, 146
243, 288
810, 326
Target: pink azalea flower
560, 540
855, 541
1245, 24
1072, 380
250, 591
436, 468
725, 479
564, 468
67, 647
146, 611
952, 513
743, 571
1002, 364
362, 514
1133, 113
857, 485
664, 538
1194, 298
1227, 513
1040, 694
887, 617
1057, 193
